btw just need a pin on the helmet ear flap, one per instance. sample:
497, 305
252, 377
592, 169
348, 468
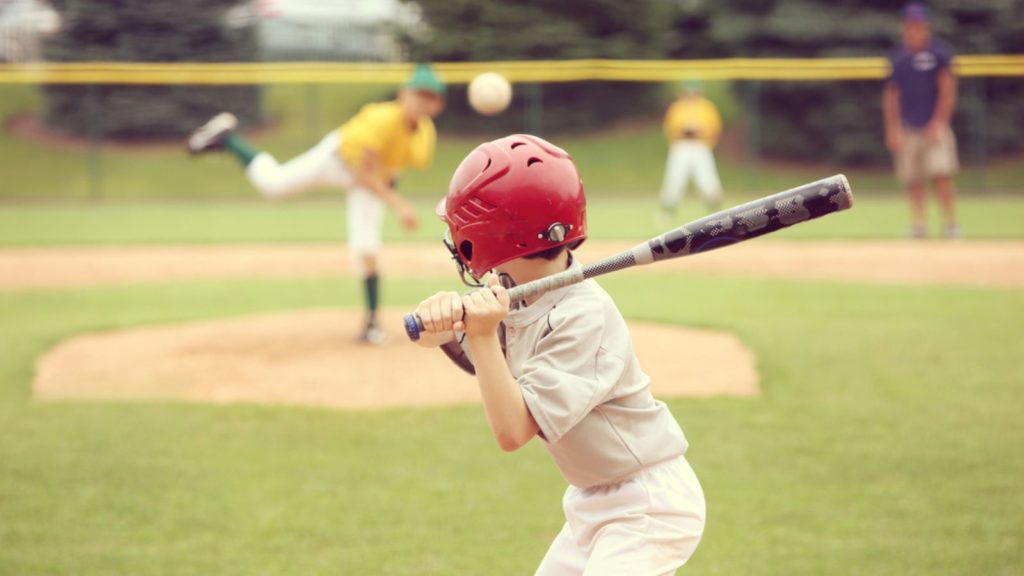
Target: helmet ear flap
460, 260
466, 250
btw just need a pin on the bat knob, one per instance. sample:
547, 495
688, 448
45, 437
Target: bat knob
413, 326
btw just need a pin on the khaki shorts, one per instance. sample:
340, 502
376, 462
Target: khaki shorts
922, 159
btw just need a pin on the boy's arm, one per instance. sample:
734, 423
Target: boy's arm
511, 421
891, 116
945, 103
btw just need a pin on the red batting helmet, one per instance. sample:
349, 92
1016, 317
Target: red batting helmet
510, 198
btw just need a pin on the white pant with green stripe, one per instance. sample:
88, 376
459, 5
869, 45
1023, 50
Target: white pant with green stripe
690, 159
321, 166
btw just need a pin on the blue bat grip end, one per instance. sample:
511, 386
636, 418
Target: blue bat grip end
412, 327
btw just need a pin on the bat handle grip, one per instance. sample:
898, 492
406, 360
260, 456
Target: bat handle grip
413, 326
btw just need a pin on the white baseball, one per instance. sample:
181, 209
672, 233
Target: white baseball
489, 93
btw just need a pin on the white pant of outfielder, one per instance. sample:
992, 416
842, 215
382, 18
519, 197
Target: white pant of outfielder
648, 525
690, 159
322, 166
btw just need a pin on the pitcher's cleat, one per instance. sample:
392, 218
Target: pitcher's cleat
373, 335
211, 136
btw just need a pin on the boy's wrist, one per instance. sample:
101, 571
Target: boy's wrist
483, 337
484, 345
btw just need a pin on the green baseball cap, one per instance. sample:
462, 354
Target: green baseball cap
691, 85
424, 78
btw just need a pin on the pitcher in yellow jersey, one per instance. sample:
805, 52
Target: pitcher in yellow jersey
692, 126
364, 156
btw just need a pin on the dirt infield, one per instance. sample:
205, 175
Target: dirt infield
311, 358
972, 263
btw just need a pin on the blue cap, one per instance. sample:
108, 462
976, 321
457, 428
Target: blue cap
916, 12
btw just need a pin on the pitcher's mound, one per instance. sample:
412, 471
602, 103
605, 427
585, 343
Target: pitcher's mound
312, 358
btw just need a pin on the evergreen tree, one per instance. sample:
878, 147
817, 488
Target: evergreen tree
146, 31
841, 121
483, 30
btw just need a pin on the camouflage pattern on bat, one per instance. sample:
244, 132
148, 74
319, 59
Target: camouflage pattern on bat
753, 219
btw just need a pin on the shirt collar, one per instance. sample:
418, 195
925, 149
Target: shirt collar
526, 315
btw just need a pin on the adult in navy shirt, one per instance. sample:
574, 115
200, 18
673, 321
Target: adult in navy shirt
918, 102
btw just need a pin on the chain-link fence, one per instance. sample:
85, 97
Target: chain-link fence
108, 112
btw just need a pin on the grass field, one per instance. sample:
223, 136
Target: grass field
318, 220
885, 443
887, 439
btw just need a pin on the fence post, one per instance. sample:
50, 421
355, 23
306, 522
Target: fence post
981, 131
752, 148
312, 119
534, 109
95, 165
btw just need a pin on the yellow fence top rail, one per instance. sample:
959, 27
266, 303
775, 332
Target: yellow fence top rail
806, 69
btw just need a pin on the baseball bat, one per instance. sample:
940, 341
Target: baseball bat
730, 226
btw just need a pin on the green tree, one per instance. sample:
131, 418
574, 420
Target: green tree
146, 31
482, 30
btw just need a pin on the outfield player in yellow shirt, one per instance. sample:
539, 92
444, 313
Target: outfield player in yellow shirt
692, 126
364, 156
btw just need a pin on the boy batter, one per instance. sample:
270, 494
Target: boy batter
364, 156
561, 366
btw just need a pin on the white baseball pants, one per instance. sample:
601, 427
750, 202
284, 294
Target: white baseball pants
690, 159
648, 525
322, 166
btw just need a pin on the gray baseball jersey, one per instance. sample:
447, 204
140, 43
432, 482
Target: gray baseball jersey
571, 354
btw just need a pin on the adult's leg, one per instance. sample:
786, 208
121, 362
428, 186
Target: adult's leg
910, 169
918, 222
942, 164
946, 193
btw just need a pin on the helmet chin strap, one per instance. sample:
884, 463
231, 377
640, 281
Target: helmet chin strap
504, 279
508, 282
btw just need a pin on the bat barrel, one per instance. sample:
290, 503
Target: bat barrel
756, 218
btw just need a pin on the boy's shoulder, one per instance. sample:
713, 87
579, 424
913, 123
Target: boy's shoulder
585, 304
376, 115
